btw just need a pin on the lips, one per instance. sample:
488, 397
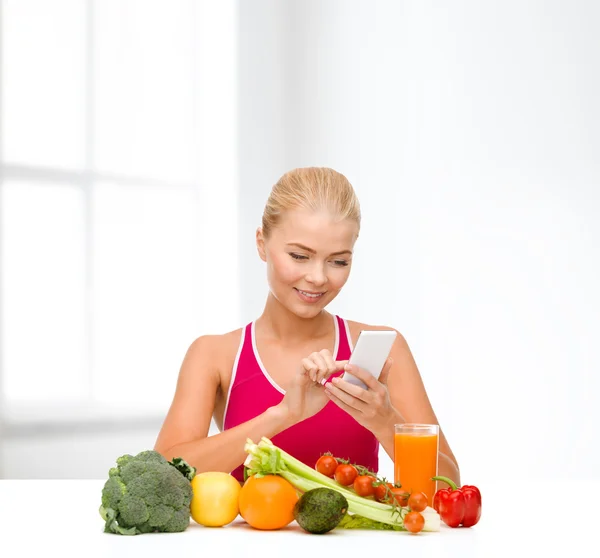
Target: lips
311, 293
309, 296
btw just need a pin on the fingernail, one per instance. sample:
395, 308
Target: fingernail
335, 380
348, 367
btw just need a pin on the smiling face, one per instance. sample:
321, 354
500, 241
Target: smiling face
308, 256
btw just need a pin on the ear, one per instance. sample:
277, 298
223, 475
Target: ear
260, 244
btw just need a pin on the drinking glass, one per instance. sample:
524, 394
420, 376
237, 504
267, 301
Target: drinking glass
416, 457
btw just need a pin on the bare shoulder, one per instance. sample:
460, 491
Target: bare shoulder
198, 386
220, 342
356, 327
215, 353
229, 346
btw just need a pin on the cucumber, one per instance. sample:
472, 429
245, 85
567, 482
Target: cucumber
320, 510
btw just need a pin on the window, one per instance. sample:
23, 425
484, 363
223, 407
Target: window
117, 199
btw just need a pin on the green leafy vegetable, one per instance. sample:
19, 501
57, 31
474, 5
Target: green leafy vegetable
146, 493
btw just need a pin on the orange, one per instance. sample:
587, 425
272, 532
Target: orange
267, 502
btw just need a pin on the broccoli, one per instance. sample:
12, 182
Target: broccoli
146, 493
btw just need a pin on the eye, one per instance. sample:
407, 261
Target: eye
341, 263
298, 256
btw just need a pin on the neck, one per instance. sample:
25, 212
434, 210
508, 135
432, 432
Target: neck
277, 321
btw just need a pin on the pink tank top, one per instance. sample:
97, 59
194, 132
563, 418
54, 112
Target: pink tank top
253, 391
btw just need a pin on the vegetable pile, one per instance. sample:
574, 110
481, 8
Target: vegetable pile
146, 494
372, 503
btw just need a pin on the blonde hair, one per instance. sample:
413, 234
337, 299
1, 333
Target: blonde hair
314, 188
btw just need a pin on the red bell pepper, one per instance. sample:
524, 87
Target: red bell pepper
457, 506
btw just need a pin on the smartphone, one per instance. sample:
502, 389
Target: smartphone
370, 353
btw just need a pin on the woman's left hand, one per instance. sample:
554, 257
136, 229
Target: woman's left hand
370, 407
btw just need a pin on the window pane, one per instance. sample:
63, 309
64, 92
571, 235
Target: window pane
146, 289
43, 290
143, 88
43, 71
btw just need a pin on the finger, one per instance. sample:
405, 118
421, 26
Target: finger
344, 406
383, 377
321, 366
346, 398
310, 368
331, 364
354, 391
364, 376
338, 365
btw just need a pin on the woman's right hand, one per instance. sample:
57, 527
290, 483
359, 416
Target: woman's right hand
306, 394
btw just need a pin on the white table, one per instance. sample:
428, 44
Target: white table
60, 517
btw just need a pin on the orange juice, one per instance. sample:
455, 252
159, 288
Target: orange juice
416, 457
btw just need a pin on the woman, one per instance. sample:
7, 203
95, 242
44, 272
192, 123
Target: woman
266, 379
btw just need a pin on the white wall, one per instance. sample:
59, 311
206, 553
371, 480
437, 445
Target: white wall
470, 131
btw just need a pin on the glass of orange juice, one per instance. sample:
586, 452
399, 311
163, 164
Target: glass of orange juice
416, 457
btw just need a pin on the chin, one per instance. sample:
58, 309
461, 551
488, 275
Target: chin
307, 312
301, 310
297, 307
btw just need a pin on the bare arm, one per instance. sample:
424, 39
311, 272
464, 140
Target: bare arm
185, 429
398, 396
409, 397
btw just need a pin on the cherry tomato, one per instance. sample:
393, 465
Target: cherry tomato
381, 491
363, 485
400, 496
414, 522
326, 465
417, 501
345, 474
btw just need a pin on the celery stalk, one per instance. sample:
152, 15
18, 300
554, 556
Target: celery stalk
265, 458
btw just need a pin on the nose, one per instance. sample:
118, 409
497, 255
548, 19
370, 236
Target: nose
316, 275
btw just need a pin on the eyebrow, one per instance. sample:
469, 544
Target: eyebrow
314, 251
